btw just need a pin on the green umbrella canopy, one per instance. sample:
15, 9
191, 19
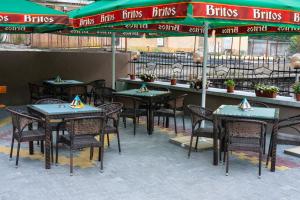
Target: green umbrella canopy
22, 16
218, 13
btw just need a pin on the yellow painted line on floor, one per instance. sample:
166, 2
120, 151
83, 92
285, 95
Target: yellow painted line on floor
81, 159
5, 121
254, 160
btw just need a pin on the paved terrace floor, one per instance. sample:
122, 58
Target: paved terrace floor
149, 168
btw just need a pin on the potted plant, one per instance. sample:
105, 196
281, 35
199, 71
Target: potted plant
296, 88
262, 90
230, 85
147, 77
197, 84
132, 76
173, 79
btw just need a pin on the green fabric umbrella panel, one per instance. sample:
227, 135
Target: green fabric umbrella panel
218, 13
22, 16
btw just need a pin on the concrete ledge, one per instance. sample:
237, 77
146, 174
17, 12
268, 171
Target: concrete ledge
279, 100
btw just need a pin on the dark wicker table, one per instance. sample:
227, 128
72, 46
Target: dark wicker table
51, 112
269, 115
151, 97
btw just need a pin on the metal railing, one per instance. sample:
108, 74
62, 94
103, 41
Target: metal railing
245, 71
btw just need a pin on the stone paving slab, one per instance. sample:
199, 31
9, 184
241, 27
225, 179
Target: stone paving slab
149, 168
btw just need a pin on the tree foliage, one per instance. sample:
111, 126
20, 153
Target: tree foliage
295, 44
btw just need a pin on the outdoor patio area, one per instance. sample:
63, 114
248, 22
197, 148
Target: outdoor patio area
150, 167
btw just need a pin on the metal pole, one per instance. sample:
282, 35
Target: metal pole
205, 56
113, 50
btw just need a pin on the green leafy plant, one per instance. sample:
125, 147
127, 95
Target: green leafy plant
296, 88
147, 77
197, 84
266, 88
229, 83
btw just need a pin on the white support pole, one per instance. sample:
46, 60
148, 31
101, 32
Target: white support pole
113, 50
205, 57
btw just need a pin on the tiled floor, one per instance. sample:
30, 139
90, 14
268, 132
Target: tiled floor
149, 168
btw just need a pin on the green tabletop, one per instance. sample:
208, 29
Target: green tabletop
254, 113
137, 93
61, 109
64, 82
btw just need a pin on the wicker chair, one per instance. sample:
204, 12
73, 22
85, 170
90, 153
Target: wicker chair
199, 115
91, 87
263, 105
22, 129
70, 92
174, 107
130, 109
103, 95
112, 112
82, 132
55, 126
244, 135
38, 92
288, 133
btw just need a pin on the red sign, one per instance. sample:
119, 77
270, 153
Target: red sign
164, 11
242, 30
32, 19
247, 13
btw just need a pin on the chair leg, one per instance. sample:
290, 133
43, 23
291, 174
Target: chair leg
196, 145
124, 122
71, 162
101, 152
91, 153
138, 120
190, 148
227, 161
42, 146
56, 148
259, 165
134, 126
119, 144
11, 147
158, 120
183, 122
175, 124
52, 156
18, 153
265, 139
269, 151
108, 143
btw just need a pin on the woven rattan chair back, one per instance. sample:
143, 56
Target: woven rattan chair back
36, 91
128, 102
244, 128
104, 94
85, 125
97, 83
198, 114
80, 90
177, 102
21, 120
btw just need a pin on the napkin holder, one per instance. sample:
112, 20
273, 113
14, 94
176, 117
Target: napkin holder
245, 105
77, 103
143, 88
58, 79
